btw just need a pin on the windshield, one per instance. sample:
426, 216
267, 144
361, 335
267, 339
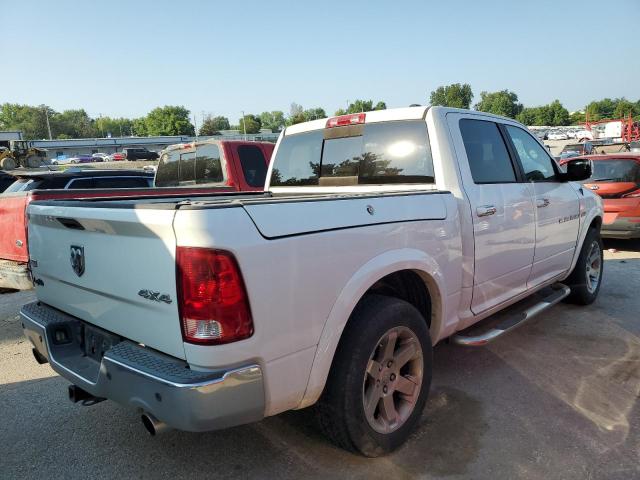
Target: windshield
618, 170
376, 153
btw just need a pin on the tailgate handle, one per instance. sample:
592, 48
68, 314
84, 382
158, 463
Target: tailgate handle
70, 223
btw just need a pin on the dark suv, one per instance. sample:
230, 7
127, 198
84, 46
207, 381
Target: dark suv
139, 153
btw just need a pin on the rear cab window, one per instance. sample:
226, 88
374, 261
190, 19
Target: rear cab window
392, 152
185, 166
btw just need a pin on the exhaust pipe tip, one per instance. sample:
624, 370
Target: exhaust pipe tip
153, 425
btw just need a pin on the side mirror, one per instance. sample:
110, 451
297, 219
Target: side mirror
578, 170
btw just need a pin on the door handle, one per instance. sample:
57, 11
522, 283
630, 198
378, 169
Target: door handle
542, 202
486, 210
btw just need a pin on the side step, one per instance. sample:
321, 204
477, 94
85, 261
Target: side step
512, 317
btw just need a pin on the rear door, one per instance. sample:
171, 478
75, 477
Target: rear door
501, 207
557, 209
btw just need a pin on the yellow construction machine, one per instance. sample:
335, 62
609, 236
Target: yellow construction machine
19, 153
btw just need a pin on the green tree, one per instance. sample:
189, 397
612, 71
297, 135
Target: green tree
576, 118
362, 106
139, 127
73, 124
115, 127
273, 120
213, 125
553, 114
455, 95
31, 121
624, 107
503, 103
314, 114
252, 123
168, 120
296, 114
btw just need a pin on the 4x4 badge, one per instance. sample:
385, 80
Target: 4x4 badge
77, 259
155, 296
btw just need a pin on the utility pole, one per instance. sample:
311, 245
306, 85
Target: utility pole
244, 124
195, 126
46, 113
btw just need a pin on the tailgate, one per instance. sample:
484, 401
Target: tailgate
13, 234
112, 267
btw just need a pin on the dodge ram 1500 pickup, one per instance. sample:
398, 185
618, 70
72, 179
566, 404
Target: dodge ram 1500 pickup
378, 235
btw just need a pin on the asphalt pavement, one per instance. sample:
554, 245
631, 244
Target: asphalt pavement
558, 398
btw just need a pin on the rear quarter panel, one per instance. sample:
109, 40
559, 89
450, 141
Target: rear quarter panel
295, 282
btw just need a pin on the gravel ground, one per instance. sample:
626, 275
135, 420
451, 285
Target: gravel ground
557, 398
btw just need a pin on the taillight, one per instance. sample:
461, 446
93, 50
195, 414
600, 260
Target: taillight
212, 299
343, 120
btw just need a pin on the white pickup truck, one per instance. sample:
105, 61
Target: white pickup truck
380, 234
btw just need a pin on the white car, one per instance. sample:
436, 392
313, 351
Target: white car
380, 235
557, 136
102, 156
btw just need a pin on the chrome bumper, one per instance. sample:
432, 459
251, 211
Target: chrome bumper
145, 379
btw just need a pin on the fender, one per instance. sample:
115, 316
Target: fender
591, 205
372, 271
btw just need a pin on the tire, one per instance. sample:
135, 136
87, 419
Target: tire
341, 408
586, 278
32, 161
7, 163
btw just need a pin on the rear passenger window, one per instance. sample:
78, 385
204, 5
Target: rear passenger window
254, 165
486, 151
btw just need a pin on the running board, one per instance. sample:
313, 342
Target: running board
512, 317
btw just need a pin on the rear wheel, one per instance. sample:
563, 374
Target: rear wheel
586, 277
380, 377
33, 161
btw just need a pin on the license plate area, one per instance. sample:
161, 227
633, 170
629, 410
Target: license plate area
96, 342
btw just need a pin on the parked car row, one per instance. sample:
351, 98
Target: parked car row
379, 235
131, 154
563, 133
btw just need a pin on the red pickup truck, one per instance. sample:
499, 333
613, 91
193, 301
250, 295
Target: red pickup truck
191, 169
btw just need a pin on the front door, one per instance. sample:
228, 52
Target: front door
557, 208
501, 207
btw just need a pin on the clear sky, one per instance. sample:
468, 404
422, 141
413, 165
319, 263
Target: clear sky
123, 58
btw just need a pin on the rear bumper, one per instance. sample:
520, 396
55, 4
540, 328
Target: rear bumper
140, 377
622, 227
14, 275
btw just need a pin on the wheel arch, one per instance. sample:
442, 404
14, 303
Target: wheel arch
593, 219
389, 266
